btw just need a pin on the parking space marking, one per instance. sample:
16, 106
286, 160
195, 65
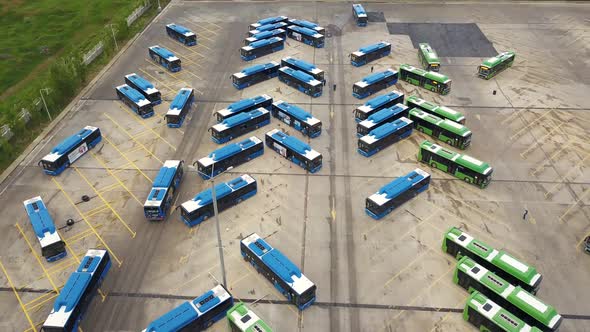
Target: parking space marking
39, 298
448, 314
563, 178
121, 183
40, 304
80, 235
168, 73
158, 80
188, 57
540, 141
109, 187
147, 127
111, 252
20, 302
37, 257
550, 159
561, 219
513, 116
133, 233
386, 284
527, 126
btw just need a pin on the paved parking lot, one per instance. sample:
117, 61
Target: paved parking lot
387, 275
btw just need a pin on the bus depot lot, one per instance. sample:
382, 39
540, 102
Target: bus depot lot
387, 275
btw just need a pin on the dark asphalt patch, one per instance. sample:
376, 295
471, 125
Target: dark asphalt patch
376, 17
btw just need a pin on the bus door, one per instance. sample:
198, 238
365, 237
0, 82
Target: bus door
297, 125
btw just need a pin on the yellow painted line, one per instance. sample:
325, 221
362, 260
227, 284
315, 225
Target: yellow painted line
102, 295
586, 192
37, 257
406, 267
60, 268
80, 234
148, 128
539, 141
111, 252
98, 208
133, 233
447, 315
513, 116
133, 149
40, 304
333, 215
121, 183
582, 240
551, 157
39, 298
109, 187
190, 72
238, 280
204, 45
563, 178
158, 80
22, 306
136, 142
102, 209
526, 127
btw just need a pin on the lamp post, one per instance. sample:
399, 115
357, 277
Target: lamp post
114, 39
44, 103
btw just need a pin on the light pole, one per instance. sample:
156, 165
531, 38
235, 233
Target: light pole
159, 7
44, 103
115, 39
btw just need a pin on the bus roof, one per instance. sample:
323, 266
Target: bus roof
429, 53
376, 102
309, 67
239, 119
262, 42
398, 186
179, 101
386, 113
498, 59
271, 20
385, 130
221, 190
294, 144
246, 319
166, 174
266, 34
443, 111
305, 31
432, 75
376, 77
267, 27
449, 125
244, 103
297, 112
134, 95
530, 304
304, 23
68, 143
372, 48
41, 221
256, 68
180, 29
463, 160
360, 11
500, 316
164, 53
142, 83
298, 74
229, 150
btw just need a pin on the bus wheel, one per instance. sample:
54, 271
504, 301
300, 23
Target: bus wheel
420, 129
450, 142
206, 217
467, 180
433, 164
239, 200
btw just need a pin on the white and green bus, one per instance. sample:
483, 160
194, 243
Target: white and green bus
242, 319
434, 109
429, 80
450, 132
492, 66
428, 57
461, 166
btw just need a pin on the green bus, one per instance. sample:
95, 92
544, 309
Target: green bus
458, 244
434, 109
492, 66
430, 80
459, 165
486, 315
474, 277
242, 319
450, 132
428, 57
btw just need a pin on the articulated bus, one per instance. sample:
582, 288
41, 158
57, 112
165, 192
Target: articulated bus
370, 53
384, 136
301, 81
378, 103
374, 83
239, 125
461, 166
492, 66
486, 315
75, 297
452, 133
309, 25
434, 109
359, 14
197, 314
144, 87
380, 118
458, 244
475, 277
244, 105
303, 66
229, 156
428, 57
52, 246
164, 58
279, 270
297, 118
396, 193
69, 150
294, 150
179, 107
228, 194
164, 190
268, 20
255, 74
268, 27
261, 48
307, 36
429, 80
135, 100
242, 319
181, 34
265, 35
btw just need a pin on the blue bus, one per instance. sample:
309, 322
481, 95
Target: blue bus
306, 36
279, 270
197, 314
373, 83
396, 192
228, 194
164, 58
380, 118
297, 118
268, 27
360, 15
52, 246
239, 125
265, 35
229, 156
261, 48
378, 103
301, 81
135, 100
303, 66
267, 21
370, 53
384, 136
179, 107
164, 190
309, 25
255, 74
144, 87
181, 34
75, 297
244, 105
294, 150
69, 150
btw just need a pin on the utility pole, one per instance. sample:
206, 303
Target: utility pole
114, 39
44, 103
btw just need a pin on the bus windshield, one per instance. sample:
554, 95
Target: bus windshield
307, 296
